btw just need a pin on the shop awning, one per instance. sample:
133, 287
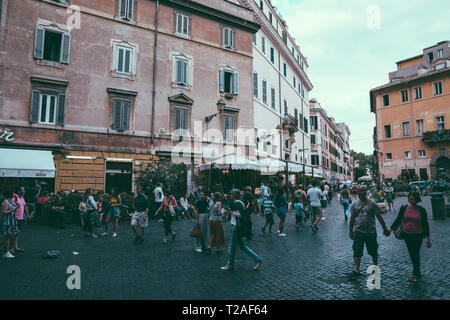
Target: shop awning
23, 163
231, 162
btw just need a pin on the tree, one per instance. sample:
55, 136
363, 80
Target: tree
171, 175
367, 164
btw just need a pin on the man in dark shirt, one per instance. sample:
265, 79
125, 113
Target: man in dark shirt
201, 217
140, 216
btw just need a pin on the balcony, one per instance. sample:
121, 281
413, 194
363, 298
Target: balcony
290, 123
432, 138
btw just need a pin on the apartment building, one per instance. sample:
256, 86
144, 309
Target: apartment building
95, 89
412, 111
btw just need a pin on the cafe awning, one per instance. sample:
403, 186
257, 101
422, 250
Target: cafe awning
23, 163
231, 162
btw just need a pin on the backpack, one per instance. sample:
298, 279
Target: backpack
244, 226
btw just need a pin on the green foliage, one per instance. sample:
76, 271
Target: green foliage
366, 163
171, 175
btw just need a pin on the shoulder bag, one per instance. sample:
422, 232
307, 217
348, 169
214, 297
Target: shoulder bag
398, 233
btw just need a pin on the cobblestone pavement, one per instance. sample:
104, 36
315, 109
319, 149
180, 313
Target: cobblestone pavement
301, 266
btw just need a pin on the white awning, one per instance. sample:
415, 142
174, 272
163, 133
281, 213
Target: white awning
22, 163
231, 162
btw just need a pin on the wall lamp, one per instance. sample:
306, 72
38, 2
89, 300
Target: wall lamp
220, 106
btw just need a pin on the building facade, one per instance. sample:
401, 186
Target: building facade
280, 93
330, 146
411, 137
108, 86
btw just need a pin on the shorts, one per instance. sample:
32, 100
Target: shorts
139, 219
114, 212
282, 211
269, 218
315, 212
324, 203
389, 199
298, 218
370, 239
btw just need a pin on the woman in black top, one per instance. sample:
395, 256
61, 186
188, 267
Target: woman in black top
201, 220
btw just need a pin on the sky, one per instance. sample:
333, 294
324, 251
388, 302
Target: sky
352, 45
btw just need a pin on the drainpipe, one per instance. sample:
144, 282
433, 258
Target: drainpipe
155, 56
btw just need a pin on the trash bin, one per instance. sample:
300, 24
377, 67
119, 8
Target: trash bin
438, 206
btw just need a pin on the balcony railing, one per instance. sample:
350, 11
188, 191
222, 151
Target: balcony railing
290, 123
436, 137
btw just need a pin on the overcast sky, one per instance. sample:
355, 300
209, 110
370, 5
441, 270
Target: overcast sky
350, 51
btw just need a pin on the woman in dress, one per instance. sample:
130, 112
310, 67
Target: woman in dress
217, 237
168, 207
8, 224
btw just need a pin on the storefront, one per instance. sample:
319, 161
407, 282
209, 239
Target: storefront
21, 167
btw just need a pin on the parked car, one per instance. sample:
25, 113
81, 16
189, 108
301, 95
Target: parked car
418, 185
440, 186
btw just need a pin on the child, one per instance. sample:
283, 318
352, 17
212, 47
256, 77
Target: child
268, 212
298, 207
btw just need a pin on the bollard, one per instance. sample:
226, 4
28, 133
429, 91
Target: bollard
438, 206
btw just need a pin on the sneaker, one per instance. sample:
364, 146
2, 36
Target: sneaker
198, 250
94, 236
317, 228
313, 228
114, 235
226, 268
257, 265
278, 231
8, 255
282, 235
104, 234
263, 230
160, 220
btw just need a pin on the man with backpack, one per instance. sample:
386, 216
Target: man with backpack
241, 229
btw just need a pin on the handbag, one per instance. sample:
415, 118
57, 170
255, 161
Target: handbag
196, 232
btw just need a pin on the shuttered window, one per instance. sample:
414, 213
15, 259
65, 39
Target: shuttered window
228, 82
52, 46
180, 119
272, 97
228, 38
255, 85
272, 55
121, 115
181, 72
47, 107
228, 124
124, 59
182, 26
126, 9
264, 91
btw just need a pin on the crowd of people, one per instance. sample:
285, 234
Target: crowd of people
210, 212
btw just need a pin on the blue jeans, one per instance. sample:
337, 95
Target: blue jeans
346, 205
235, 240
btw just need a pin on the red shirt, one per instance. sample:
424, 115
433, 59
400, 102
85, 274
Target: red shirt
412, 221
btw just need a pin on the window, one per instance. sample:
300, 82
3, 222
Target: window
228, 128
404, 95
388, 156
313, 139
228, 38
299, 87
263, 45
430, 57
303, 92
294, 81
306, 125
123, 59
229, 82
52, 46
313, 122
270, 17
437, 88
47, 109
272, 55
121, 115
440, 124
422, 154
417, 93
272, 97
387, 131
440, 53
126, 9
264, 91
181, 72
407, 154
284, 69
285, 107
182, 26
386, 100
406, 130
180, 119
423, 174
255, 39
419, 125
314, 160
261, 4
255, 84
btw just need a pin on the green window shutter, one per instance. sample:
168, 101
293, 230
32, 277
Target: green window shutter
235, 83
34, 107
117, 115
122, 5
39, 43
65, 48
61, 113
125, 121
130, 11
222, 81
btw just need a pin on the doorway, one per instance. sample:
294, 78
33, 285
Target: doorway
119, 175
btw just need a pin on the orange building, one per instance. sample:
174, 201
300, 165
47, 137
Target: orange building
412, 135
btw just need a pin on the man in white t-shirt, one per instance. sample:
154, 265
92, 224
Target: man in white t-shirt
314, 194
159, 196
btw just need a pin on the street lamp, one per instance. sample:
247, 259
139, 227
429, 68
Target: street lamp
220, 106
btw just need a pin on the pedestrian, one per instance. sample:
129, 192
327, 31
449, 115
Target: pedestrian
201, 220
8, 224
281, 203
184, 206
324, 200
363, 230
159, 197
22, 209
115, 203
168, 211
389, 192
346, 199
217, 237
268, 212
413, 223
140, 216
58, 213
226, 204
239, 234
298, 207
197, 193
89, 210
314, 195
82, 209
